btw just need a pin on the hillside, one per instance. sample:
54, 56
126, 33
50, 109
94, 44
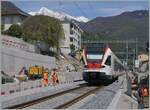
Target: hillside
126, 26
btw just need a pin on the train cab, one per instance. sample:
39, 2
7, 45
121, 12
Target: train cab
100, 64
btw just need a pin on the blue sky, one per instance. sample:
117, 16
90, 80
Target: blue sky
87, 8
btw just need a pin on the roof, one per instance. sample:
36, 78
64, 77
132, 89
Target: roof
143, 54
71, 21
8, 8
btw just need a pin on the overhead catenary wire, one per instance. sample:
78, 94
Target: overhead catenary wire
90, 6
61, 6
77, 5
60, 3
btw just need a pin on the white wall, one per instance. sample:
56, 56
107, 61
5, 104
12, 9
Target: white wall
65, 50
65, 42
12, 60
9, 41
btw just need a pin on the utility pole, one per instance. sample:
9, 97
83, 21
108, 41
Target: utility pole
136, 56
127, 52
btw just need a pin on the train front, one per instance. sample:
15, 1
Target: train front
93, 59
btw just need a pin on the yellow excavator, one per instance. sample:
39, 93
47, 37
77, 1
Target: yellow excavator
35, 72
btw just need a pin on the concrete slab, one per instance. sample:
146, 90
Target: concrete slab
123, 101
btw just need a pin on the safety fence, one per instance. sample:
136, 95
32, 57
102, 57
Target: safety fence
66, 78
10, 88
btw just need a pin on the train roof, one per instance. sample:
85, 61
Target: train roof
95, 45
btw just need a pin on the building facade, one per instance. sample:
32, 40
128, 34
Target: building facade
143, 57
10, 14
72, 37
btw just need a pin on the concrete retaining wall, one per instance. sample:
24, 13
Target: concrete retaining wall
65, 78
69, 76
17, 43
14, 59
9, 88
32, 94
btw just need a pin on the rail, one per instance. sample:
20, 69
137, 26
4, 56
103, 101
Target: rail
68, 103
75, 100
33, 102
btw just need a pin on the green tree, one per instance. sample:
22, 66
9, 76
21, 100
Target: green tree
130, 62
42, 28
2, 27
15, 31
72, 47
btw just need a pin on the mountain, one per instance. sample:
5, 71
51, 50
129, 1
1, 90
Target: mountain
126, 26
59, 15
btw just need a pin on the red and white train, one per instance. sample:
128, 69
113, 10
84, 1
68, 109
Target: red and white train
101, 65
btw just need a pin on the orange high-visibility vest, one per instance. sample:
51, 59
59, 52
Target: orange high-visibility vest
45, 82
45, 75
144, 92
54, 76
45, 78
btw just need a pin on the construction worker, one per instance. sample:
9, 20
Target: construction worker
45, 78
54, 77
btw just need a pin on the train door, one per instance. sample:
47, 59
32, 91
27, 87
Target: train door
107, 65
113, 73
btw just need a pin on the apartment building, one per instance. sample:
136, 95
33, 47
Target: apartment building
72, 36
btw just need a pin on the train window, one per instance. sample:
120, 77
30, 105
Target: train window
94, 50
117, 66
108, 61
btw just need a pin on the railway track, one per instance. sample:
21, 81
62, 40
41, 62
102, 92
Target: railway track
33, 102
84, 91
75, 100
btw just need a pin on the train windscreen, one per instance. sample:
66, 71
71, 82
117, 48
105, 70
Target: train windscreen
94, 54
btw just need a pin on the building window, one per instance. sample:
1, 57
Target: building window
12, 19
71, 31
16, 19
7, 20
108, 61
71, 25
78, 43
78, 37
3, 20
71, 39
